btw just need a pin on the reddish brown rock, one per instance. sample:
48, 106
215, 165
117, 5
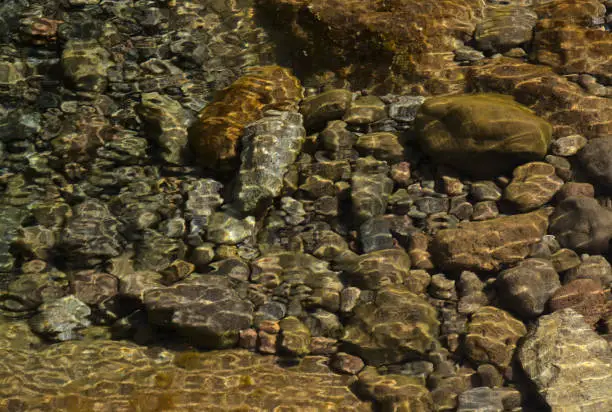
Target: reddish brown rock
346, 363
416, 38
585, 296
93, 287
214, 136
571, 189
487, 245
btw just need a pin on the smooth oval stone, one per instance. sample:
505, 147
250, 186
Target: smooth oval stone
484, 135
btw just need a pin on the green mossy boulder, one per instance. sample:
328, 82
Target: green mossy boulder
484, 135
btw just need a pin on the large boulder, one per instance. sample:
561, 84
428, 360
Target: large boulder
487, 245
570, 364
484, 135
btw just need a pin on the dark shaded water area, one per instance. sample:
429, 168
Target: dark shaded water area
305, 205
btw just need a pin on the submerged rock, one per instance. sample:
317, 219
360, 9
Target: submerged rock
484, 135
487, 245
270, 146
166, 123
581, 223
394, 326
568, 362
214, 135
61, 319
204, 309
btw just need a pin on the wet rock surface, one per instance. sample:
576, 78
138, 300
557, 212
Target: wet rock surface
555, 337
356, 193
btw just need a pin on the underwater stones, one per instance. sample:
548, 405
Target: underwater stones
533, 184
298, 278
337, 140
270, 146
61, 319
214, 135
405, 108
370, 188
527, 287
203, 199
165, 122
86, 65
382, 145
582, 224
93, 287
91, 235
31, 289
321, 108
594, 157
294, 337
569, 48
568, 145
204, 309
480, 399
484, 135
561, 351
492, 335
487, 245
585, 296
226, 229
156, 252
395, 391
394, 326
504, 27
365, 110
379, 268
569, 108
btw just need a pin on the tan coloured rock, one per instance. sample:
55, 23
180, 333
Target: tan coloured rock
533, 184
487, 245
570, 365
492, 335
394, 392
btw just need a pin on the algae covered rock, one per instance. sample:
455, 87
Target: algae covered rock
492, 335
88, 376
395, 391
484, 135
394, 326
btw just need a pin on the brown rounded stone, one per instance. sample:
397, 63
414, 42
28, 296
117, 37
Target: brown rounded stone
533, 184
585, 296
571, 189
346, 363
